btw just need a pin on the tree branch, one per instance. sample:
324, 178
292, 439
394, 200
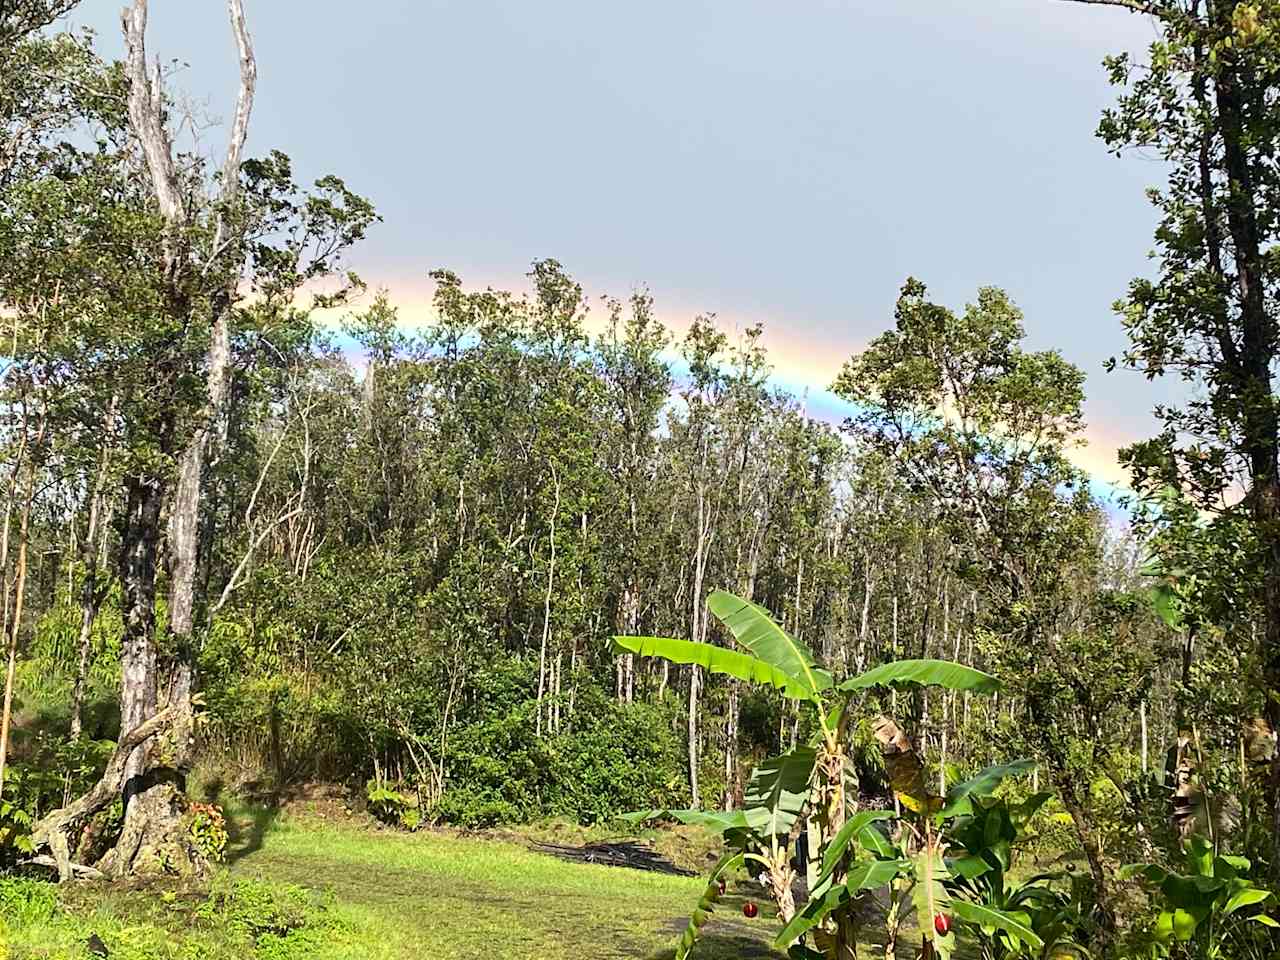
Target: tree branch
146, 115
244, 102
1149, 7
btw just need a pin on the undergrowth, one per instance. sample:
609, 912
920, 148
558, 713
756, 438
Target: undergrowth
234, 918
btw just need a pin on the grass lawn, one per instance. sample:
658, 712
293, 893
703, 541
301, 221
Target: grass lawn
393, 895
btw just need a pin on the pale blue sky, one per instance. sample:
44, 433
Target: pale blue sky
790, 162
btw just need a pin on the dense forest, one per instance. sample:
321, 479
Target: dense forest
246, 550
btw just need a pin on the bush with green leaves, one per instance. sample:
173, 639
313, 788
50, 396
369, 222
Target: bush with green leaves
1211, 908
207, 830
607, 759
394, 807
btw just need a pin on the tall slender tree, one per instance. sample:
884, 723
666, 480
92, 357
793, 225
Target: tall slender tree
1204, 101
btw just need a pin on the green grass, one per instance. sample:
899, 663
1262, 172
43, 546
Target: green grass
390, 895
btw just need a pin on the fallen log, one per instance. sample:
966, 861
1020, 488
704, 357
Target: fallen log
77, 869
622, 853
55, 830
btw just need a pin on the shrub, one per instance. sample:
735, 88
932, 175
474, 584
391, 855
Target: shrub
207, 830
393, 807
610, 758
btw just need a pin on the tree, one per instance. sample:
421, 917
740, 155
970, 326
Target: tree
130, 264
980, 427
1204, 102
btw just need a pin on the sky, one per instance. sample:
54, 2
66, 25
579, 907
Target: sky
787, 163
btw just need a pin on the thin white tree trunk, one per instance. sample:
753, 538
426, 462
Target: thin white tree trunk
546, 606
19, 592
1142, 718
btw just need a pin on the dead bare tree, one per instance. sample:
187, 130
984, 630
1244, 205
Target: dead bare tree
151, 832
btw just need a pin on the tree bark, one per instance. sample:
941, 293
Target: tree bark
184, 515
546, 606
1261, 431
55, 830
151, 838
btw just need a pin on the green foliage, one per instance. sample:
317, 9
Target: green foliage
1010, 915
207, 830
26, 902
15, 830
613, 758
1212, 909
238, 918
268, 915
782, 789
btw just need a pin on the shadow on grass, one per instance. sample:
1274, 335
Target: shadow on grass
246, 831
725, 946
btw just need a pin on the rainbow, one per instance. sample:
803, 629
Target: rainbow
802, 367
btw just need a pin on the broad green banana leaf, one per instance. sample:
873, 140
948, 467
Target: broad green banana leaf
702, 913
852, 828
755, 630
982, 784
1246, 898
865, 875
924, 673
991, 919
931, 897
778, 790
968, 867
872, 840
733, 663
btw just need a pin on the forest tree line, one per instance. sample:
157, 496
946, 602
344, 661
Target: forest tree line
397, 556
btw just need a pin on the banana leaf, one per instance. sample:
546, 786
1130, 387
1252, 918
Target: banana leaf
706, 904
778, 790
715, 659
991, 919
865, 875
755, 630
852, 828
924, 673
982, 784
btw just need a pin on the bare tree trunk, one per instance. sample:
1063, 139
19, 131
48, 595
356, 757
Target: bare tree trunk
699, 627
90, 596
946, 717
19, 592
1142, 719
55, 830
731, 749
151, 838
184, 516
546, 607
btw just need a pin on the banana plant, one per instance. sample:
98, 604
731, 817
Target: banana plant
1209, 908
808, 783
941, 857
984, 832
